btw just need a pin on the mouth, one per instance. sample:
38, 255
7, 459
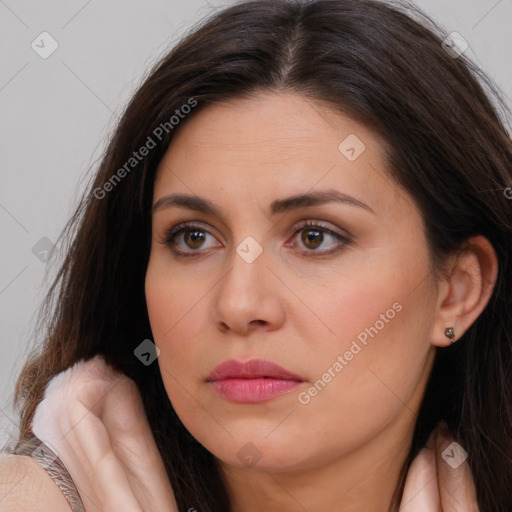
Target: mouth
252, 381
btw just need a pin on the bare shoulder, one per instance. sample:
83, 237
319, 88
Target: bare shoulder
26, 487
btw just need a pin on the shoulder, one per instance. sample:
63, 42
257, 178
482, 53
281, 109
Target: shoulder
26, 487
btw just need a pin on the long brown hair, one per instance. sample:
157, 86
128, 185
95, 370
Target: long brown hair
448, 147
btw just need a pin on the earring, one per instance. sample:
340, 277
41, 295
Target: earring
450, 334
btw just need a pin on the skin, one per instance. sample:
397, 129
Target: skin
345, 446
93, 417
301, 311
26, 487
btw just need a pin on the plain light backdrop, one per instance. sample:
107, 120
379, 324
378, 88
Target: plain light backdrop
56, 113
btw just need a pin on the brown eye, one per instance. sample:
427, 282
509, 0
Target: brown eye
314, 236
194, 239
187, 239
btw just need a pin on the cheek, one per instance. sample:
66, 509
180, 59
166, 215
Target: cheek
378, 350
176, 309
178, 314
370, 303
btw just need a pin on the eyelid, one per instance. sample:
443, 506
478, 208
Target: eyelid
177, 229
320, 224
342, 239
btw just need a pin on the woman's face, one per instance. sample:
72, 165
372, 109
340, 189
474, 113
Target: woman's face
345, 304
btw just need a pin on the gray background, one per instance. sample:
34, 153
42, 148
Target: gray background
57, 112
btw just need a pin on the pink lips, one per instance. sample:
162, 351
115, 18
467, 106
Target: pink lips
252, 381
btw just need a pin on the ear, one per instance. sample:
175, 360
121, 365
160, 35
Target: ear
465, 288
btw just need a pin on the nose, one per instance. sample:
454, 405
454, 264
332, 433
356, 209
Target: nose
247, 298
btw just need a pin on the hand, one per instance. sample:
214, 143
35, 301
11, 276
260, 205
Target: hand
433, 486
94, 418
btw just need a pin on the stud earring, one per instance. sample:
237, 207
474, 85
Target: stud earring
450, 334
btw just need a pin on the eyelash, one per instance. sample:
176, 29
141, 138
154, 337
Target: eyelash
171, 234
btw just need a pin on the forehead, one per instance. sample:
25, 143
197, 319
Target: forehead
274, 144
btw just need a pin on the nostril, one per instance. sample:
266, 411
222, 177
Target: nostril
257, 323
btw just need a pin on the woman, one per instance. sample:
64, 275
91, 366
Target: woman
305, 206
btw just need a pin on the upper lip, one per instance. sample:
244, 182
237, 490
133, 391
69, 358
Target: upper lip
251, 369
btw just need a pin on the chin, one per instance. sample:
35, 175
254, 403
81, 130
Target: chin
274, 453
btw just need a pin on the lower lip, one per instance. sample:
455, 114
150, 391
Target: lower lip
253, 390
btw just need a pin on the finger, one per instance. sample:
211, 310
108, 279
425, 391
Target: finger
104, 473
456, 485
90, 390
132, 439
70, 451
68, 398
54, 420
115, 399
92, 381
420, 491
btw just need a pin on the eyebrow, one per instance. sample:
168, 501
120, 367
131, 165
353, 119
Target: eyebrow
278, 206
